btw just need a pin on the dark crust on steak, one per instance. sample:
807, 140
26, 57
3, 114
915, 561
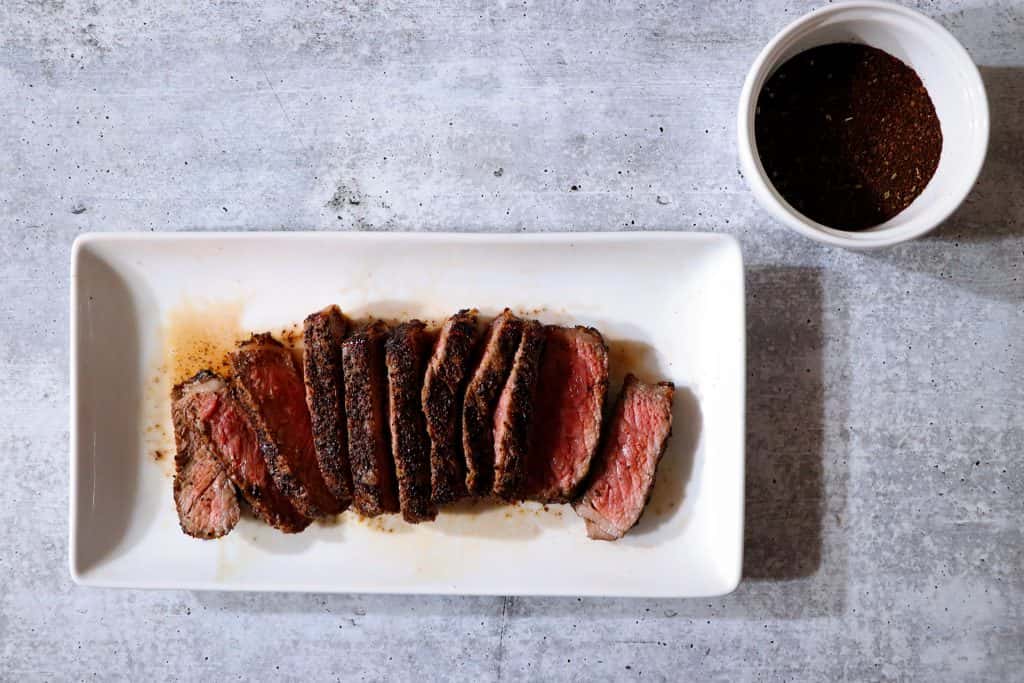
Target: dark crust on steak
406, 357
513, 434
292, 465
252, 479
442, 405
593, 530
562, 495
496, 357
196, 467
366, 412
323, 334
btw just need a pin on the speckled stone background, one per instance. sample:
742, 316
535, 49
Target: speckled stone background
885, 422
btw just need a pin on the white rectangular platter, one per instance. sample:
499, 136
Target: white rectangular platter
671, 306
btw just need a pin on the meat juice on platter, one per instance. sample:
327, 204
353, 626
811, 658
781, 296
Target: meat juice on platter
412, 419
196, 334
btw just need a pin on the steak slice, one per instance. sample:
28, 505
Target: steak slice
624, 475
513, 417
442, 405
323, 334
482, 392
203, 494
406, 356
239, 448
570, 397
366, 412
267, 383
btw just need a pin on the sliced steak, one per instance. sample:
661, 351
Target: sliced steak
482, 393
442, 405
323, 334
269, 386
203, 494
513, 416
624, 473
406, 355
239, 448
366, 412
570, 397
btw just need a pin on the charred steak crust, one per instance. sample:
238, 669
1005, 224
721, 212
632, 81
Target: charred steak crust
624, 475
323, 334
237, 445
513, 418
571, 393
267, 383
442, 405
406, 356
497, 353
366, 412
204, 496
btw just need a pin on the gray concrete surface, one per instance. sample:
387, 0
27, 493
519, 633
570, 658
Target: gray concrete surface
885, 404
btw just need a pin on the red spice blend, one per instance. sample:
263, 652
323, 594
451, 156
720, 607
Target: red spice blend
847, 134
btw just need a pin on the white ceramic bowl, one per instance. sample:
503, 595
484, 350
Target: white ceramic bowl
949, 75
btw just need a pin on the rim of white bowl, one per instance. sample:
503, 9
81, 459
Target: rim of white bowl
765, 191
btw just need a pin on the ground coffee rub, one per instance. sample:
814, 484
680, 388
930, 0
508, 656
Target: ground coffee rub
847, 134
